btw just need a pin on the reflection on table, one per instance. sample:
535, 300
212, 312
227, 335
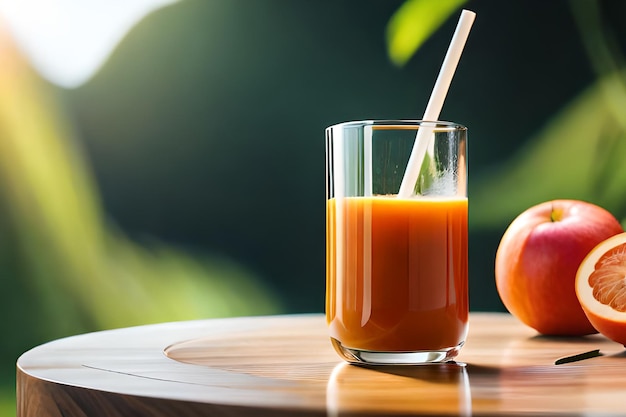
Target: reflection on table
285, 366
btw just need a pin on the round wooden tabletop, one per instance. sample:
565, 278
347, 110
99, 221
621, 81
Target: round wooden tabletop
285, 365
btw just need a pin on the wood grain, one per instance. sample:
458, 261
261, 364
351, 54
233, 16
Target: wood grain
284, 365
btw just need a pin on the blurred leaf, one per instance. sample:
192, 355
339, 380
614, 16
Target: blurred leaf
579, 155
605, 54
7, 402
413, 23
84, 274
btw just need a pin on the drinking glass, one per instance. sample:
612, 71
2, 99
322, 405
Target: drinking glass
396, 267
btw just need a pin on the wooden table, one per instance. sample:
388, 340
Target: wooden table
285, 366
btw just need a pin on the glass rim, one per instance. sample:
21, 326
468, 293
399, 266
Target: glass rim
436, 124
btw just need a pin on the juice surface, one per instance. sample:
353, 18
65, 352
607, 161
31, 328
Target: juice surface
397, 272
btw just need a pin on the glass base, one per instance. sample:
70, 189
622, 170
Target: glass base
395, 358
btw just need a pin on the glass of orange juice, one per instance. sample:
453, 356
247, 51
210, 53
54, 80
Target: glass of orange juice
396, 267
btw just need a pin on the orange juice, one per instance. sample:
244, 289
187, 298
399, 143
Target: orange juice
397, 272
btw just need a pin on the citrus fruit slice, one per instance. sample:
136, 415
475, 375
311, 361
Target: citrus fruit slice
601, 287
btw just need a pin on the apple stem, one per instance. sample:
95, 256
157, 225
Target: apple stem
555, 215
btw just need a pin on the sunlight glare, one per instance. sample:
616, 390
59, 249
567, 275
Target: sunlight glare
68, 40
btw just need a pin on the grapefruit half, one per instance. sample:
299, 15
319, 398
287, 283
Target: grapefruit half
601, 287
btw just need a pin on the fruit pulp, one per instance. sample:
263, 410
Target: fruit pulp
607, 279
396, 277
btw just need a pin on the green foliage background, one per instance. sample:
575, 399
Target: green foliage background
185, 180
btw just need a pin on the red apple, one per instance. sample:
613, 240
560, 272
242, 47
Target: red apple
537, 260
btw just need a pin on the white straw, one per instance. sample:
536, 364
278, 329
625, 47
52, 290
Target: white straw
435, 103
